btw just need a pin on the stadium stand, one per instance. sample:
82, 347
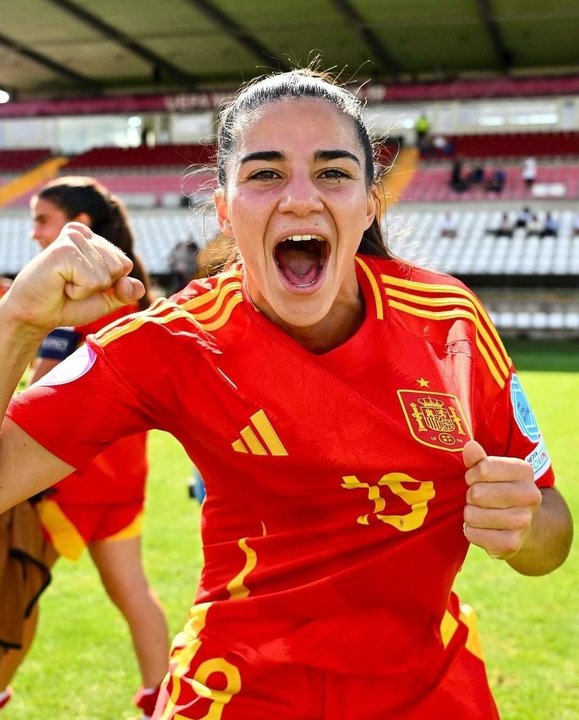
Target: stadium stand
505, 145
169, 156
144, 177
13, 162
413, 232
430, 183
527, 281
147, 177
156, 231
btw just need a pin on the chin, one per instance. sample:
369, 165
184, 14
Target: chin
301, 311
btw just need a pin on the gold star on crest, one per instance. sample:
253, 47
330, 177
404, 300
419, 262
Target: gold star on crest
423, 383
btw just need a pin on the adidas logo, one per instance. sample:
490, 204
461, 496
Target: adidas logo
261, 439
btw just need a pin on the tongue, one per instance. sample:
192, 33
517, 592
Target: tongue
299, 267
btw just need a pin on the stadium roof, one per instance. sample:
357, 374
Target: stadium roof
65, 48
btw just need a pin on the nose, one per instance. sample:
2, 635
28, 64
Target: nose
300, 196
37, 236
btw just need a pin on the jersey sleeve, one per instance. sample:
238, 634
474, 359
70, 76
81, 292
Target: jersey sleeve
77, 409
515, 431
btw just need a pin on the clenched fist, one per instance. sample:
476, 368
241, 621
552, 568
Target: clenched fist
501, 501
77, 279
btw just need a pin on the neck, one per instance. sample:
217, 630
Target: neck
336, 328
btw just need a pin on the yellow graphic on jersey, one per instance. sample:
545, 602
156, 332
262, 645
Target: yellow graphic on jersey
205, 676
235, 587
262, 439
435, 419
416, 497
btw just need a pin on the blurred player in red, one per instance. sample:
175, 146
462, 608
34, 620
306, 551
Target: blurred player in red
356, 419
102, 506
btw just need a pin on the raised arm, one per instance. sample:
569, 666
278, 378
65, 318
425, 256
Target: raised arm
509, 517
75, 280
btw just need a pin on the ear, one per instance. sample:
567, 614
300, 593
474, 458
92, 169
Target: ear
371, 206
222, 212
83, 218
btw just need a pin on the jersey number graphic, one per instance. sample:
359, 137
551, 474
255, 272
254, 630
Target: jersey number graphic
219, 698
415, 493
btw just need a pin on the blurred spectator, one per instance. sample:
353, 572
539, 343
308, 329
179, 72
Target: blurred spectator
476, 177
534, 225
504, 227
496, 181
448, 226
575, 225
529, 172
182, 264
442, 145
523, 217
422, 128
457, 181
550, 226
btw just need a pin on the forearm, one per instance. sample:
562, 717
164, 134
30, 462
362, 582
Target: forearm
549, 541
18, 346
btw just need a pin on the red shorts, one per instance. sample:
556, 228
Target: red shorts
70, 527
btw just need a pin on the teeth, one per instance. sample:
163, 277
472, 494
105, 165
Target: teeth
303, 238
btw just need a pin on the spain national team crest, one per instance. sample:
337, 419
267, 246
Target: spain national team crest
435, 419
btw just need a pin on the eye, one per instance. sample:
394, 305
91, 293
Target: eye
335, 174
264, 175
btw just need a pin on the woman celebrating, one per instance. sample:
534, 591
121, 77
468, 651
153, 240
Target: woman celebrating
102, 507
356, 420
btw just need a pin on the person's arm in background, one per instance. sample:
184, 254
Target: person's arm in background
55, 348
77, 279
510, 517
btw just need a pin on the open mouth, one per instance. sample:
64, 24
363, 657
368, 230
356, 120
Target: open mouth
301, 259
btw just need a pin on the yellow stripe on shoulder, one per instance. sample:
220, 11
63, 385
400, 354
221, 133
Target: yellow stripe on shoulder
375, 288
465, 314
447, 302
214, 308
207, 312
453, 291
175, 314
229, 280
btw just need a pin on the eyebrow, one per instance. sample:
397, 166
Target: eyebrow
335, 155
267, 155
277, 156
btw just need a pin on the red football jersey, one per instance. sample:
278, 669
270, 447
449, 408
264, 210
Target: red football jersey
332, 528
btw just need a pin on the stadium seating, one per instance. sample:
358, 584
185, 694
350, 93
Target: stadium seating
430, 183
413, 234
156, 232
507, 145
13, 162
161, 176
148, 177
159, 156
